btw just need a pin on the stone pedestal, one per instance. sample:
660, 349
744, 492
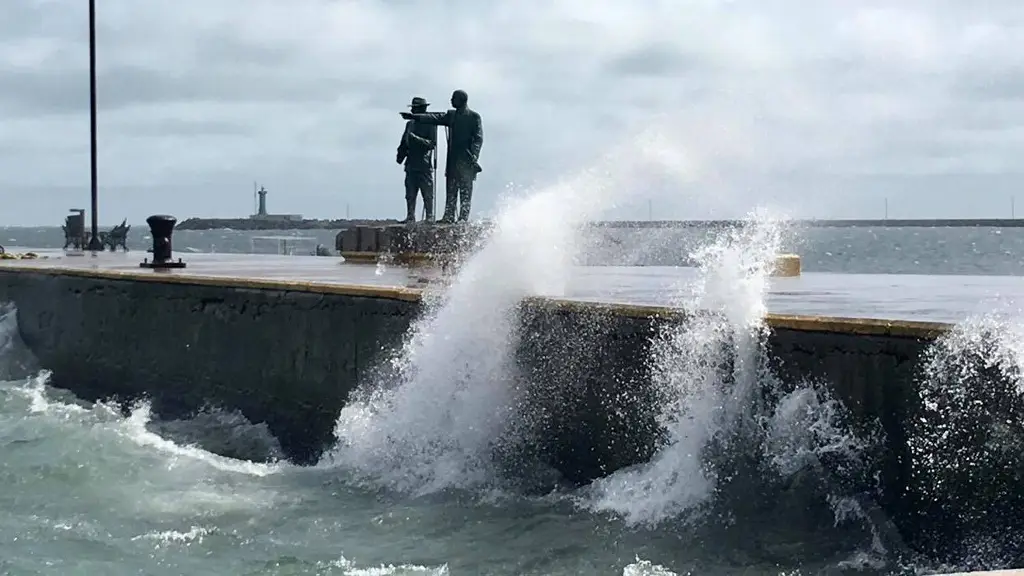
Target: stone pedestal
409, 243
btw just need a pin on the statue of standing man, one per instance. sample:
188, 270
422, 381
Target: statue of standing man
465, 139
416, 150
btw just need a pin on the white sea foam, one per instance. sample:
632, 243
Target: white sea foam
431, 422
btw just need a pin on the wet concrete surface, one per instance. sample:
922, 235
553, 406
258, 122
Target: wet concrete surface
894, 297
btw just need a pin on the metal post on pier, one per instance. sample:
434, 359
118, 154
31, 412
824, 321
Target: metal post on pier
94, 242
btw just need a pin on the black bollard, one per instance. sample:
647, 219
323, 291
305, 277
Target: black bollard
160, 228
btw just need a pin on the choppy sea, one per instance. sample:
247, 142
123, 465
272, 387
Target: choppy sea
880, 250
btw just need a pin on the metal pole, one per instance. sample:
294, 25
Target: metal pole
433, 184
94, 242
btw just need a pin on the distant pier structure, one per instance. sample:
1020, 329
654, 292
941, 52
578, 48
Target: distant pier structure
261, 208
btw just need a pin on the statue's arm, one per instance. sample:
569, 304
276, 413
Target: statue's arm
432, 118
423, 141
477, 142
403, 146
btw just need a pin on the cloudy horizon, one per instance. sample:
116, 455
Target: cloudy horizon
830, 109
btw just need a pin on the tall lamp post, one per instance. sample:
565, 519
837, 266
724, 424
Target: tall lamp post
94, 242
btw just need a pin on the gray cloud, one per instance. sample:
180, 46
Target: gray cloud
820, 107
40, 92
655, 60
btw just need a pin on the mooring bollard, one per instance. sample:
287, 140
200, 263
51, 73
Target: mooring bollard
160, 228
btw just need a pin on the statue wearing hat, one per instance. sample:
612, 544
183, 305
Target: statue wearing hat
465, 139
417, 150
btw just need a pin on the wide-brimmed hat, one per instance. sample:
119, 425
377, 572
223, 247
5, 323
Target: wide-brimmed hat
417, 101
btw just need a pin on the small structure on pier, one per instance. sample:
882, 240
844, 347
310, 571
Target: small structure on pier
74, 229
76, 238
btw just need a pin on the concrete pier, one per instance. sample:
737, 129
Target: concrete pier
284, 340
269, 322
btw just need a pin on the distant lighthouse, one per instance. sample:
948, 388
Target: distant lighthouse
261, 208
262, 211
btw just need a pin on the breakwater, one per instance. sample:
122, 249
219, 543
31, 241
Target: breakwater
269, 224
827, 223
341, 224
290, 353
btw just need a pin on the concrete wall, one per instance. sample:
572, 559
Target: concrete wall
597, 404
873, 371
593, 407
589, 406
287, 356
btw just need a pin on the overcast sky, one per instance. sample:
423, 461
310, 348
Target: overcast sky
821, 108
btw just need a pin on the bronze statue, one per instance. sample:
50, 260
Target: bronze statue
416, 149
465, 139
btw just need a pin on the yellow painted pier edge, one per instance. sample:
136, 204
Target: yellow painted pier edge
836, 325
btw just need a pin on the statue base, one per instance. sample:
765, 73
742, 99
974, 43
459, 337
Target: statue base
419, 244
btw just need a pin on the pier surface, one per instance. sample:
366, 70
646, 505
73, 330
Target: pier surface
919, 298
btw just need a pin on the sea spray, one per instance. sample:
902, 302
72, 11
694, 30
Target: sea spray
17, 362
707, 368
8, 329
808, 425
431, 419
966, 441
222, 437
737, 441
808, 440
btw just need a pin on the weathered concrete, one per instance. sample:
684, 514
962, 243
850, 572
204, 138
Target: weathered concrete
287, 356
599, 397
593, 410
853, 356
